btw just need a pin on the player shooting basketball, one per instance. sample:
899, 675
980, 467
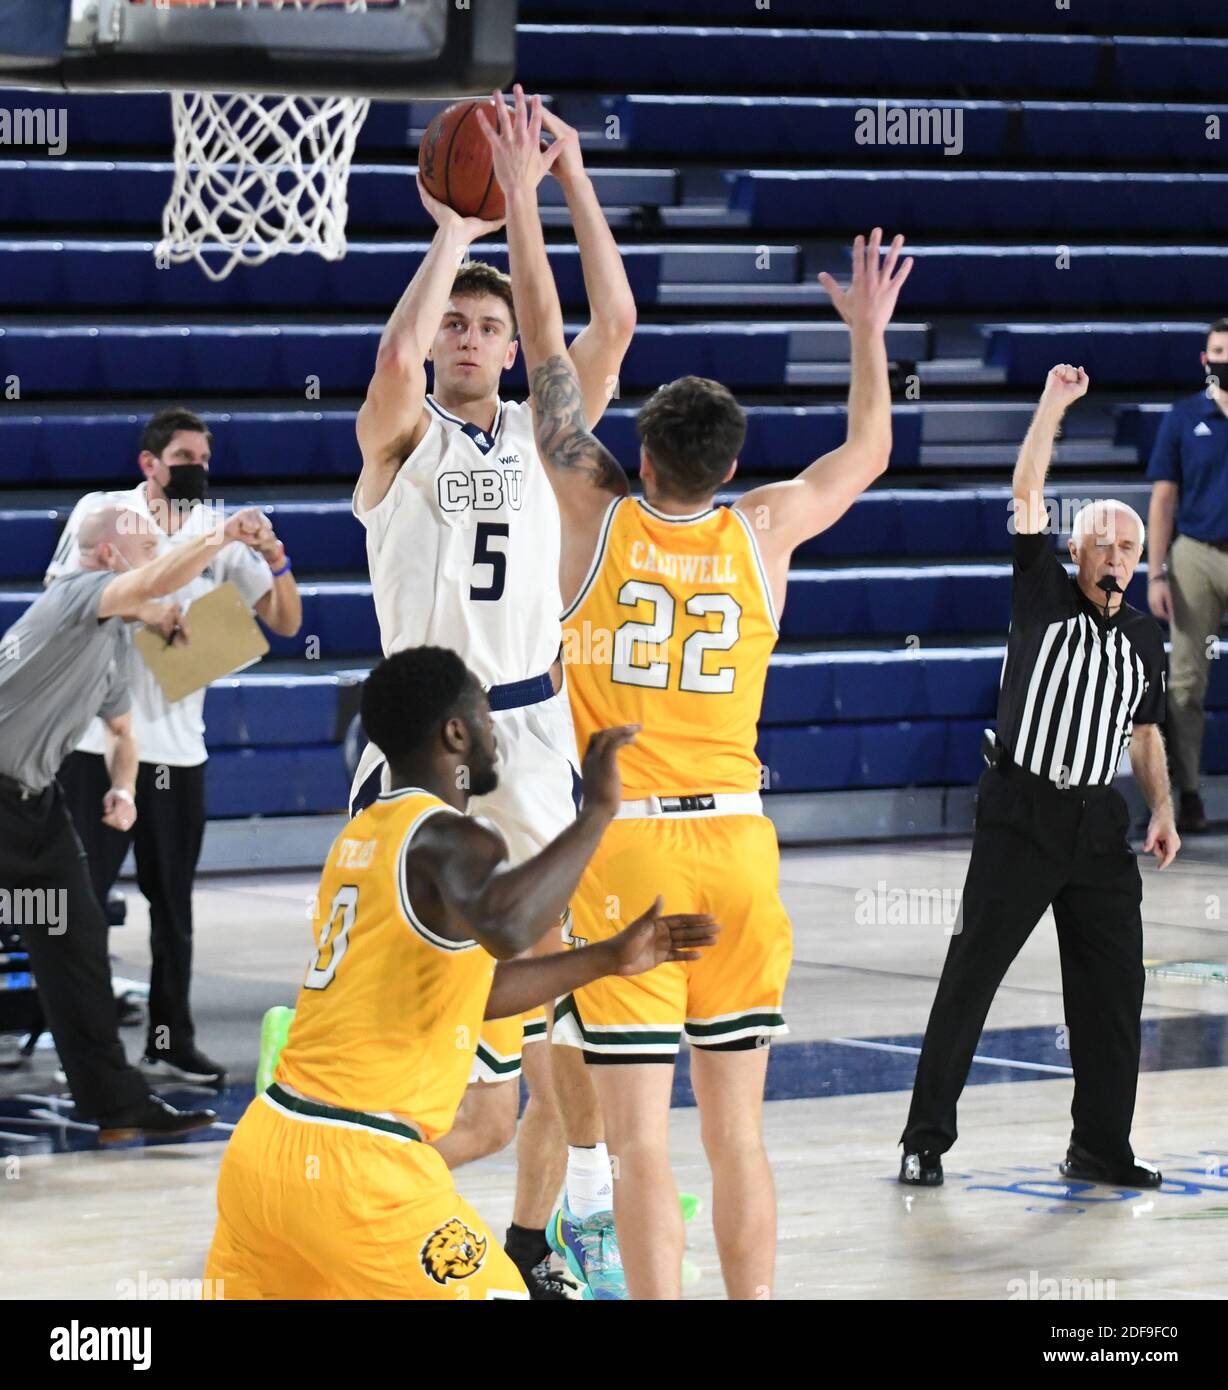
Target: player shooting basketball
690, 594
463, 546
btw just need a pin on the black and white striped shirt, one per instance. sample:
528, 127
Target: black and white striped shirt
1073, 684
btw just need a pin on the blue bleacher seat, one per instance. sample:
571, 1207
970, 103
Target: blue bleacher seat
958, 276
125, 273
807, 127
70, 193
621, 56
978, 201
287, 358
1113, 160
1114, 354
268, 446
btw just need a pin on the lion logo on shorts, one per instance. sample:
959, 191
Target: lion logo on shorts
453, 1252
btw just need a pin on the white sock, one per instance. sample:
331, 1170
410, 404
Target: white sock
590, 1181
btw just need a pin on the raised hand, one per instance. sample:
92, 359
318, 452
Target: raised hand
246, 525
1065, 384
470, 228
869, 300
603, 786
515, 138
569, 164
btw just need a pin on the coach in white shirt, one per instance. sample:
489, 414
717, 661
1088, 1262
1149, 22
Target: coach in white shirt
170, 787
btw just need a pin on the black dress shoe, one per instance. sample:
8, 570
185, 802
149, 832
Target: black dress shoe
153, 1120
1082, 1167
922, 1169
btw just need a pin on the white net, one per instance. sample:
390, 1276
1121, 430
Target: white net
256, 176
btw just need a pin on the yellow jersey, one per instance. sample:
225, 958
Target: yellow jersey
673, 628
388, 1015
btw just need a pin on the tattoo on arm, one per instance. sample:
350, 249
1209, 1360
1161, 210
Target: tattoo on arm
563, 436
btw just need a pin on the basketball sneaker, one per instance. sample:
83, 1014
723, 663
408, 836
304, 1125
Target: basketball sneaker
590, 1250
188, 1065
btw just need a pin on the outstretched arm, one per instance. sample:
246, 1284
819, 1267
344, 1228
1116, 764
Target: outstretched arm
651, 940
582, 471
598, 350
391, 423
1063, 386
786, 514
472, 894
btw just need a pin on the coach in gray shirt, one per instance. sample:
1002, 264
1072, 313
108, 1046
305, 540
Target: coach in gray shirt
64, 661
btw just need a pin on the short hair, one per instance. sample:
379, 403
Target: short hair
1219, 326
166, 424
410, 694
1088, 520
477, 278
692, 429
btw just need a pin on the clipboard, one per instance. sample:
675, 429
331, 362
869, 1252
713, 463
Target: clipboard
224, 638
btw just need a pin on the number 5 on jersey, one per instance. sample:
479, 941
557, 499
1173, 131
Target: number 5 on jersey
496, 559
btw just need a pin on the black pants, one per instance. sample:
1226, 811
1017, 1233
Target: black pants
40, 850
166, 839
1035, 846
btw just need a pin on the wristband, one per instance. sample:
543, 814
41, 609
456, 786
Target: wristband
1158, 579
126, 795
285, 566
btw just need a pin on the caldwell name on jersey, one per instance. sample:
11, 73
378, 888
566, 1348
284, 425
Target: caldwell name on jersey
672, 629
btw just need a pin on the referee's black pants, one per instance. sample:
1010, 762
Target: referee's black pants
166, 841
1034, 846
39, 850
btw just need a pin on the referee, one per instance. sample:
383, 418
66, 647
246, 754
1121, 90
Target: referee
66, 659
1084, 672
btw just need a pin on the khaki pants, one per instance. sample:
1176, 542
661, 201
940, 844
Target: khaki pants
1198, 575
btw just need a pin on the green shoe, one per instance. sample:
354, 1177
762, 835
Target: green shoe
590, 1249
274, 1027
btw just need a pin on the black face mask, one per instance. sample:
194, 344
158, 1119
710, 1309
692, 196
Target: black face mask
188, 482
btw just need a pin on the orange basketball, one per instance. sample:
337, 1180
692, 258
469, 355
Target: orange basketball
454, 160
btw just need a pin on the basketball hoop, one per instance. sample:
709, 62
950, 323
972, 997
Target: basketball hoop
268, 98
256, 177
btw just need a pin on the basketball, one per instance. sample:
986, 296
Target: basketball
454, 160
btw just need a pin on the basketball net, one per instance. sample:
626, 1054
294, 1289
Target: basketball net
259, 176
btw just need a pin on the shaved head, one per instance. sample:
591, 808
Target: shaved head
118, 538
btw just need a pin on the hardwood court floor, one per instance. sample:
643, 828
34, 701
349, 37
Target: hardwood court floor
80, 1223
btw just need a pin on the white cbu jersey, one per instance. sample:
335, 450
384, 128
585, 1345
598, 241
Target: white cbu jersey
464, 548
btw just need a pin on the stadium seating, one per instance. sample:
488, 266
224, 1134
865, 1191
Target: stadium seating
1080, 220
